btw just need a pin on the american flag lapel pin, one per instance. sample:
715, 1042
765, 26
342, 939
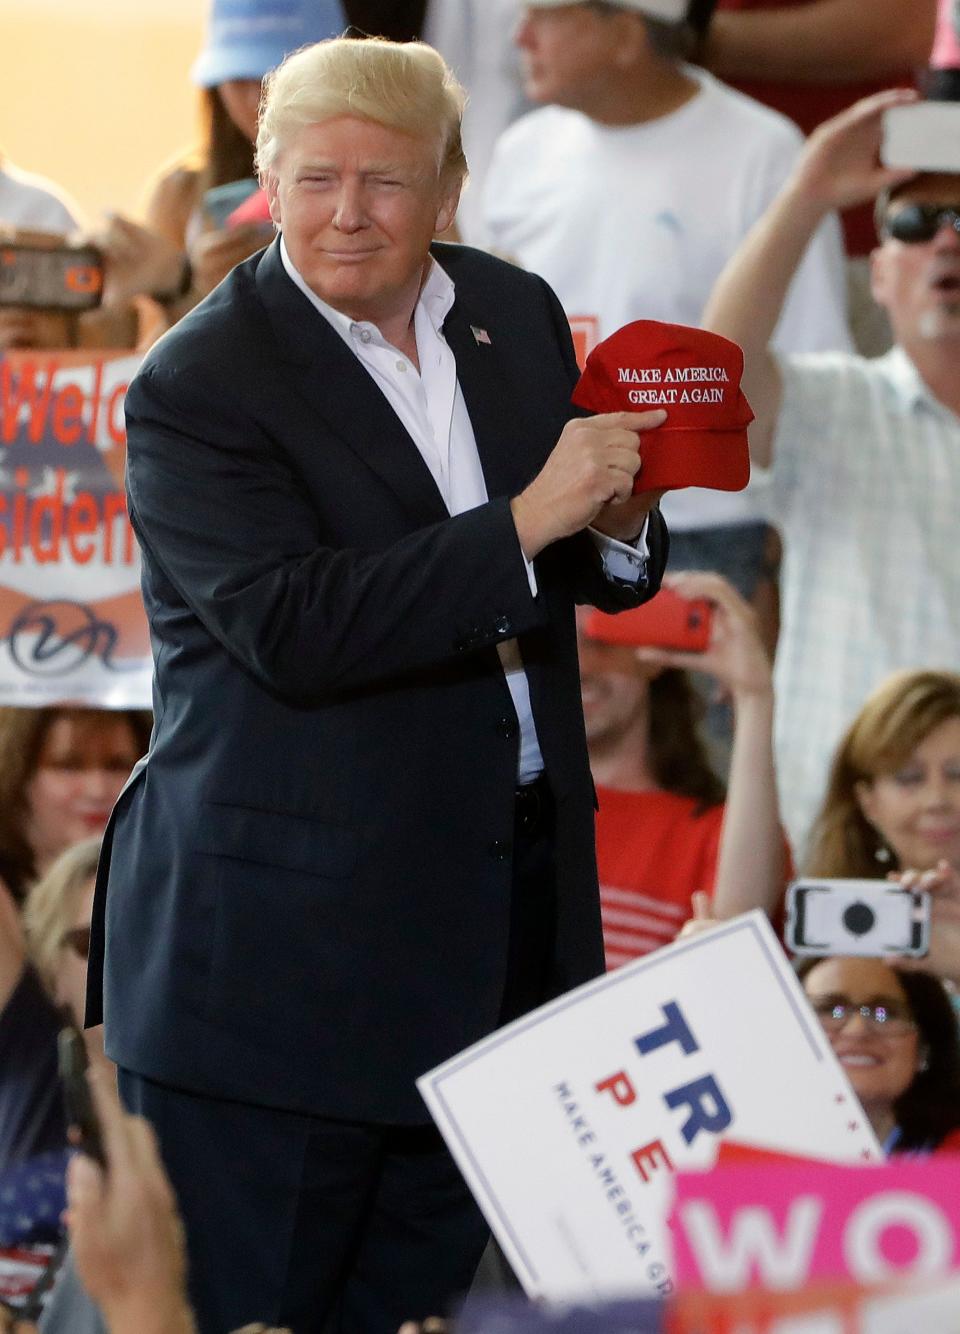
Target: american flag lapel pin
480, 335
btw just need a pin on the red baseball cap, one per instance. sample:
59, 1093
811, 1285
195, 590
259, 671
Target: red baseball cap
695, 375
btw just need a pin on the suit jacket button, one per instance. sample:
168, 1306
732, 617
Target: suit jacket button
507, 728
502, 625
500, 850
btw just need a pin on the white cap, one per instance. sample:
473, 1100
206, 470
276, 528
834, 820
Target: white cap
668, 11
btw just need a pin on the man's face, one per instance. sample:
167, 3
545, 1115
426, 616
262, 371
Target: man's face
918, 283
568, 51
359, 205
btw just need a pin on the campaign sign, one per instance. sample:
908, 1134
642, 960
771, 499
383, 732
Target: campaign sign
568, 1124
779, 1226
72, 625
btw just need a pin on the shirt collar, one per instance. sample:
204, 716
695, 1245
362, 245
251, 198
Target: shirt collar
907, 382
435, 300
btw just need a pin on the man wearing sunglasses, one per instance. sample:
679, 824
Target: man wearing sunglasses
860, 458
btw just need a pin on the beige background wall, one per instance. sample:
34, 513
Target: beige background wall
96, 93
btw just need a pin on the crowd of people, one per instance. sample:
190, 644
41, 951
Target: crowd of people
639, 167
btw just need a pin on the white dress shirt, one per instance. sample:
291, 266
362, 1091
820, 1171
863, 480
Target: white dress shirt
430, 404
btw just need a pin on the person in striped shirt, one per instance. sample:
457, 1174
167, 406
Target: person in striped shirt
665, 827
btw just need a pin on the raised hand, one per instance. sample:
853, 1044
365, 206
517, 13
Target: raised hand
840, 164
735, 655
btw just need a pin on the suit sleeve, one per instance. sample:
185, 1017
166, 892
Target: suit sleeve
220, 509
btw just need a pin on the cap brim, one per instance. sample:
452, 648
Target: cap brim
673, 459
240, 61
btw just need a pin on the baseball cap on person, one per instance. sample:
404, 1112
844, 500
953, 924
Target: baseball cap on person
668, 11
695, 376
248, 38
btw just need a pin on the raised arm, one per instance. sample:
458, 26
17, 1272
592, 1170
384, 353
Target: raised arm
830, 41
839, 167
750, 865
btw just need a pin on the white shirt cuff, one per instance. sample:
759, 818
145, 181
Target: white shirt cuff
626, 561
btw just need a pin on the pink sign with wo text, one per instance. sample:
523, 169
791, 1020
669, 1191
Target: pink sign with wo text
783, 1225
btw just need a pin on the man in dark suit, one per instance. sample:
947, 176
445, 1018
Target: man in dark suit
363, 837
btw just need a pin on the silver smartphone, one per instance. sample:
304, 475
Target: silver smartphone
922, 135
865, 917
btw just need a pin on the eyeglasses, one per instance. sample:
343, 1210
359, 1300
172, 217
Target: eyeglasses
915, 223
78, 940
886, 1017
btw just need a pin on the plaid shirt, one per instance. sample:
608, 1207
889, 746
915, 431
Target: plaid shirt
865, 489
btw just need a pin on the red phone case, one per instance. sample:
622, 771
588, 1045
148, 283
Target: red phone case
666, 621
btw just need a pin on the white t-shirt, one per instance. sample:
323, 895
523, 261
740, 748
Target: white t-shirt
475, 37
865, 486
637, 222
27, 200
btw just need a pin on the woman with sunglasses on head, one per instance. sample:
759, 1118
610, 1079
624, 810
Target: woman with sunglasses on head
894, 1032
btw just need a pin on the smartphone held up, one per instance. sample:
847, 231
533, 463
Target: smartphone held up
869, 918
81, 1112
60, 277
667, 621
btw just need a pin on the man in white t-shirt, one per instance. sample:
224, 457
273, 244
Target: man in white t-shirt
628, 189
475, 37
862, 457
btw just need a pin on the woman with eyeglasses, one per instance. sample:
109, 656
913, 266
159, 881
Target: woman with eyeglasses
894, 1032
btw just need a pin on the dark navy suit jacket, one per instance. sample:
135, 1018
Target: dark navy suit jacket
304, 894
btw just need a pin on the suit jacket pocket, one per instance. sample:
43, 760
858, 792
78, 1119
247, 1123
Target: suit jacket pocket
274, 838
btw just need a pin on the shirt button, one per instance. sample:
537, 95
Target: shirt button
507, 728
401, 365
502, 625
500, 850
365, 335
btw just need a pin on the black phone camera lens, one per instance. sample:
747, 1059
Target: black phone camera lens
859, 919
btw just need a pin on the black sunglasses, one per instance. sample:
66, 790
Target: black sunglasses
915, 223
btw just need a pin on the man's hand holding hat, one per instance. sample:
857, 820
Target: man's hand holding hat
588, 479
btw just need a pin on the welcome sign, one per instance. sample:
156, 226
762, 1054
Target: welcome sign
72, 625
569, 1123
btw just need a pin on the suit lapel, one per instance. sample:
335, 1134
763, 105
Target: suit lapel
328, 375
491, 402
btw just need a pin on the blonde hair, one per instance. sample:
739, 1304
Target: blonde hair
51, 904
899, 715
406, 86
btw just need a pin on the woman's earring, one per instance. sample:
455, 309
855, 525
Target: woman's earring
881, 853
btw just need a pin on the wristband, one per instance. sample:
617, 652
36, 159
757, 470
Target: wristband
183, 287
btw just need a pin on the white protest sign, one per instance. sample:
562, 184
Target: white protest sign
568, 1123
72, 623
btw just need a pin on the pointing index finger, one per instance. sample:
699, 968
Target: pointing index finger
630, 421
